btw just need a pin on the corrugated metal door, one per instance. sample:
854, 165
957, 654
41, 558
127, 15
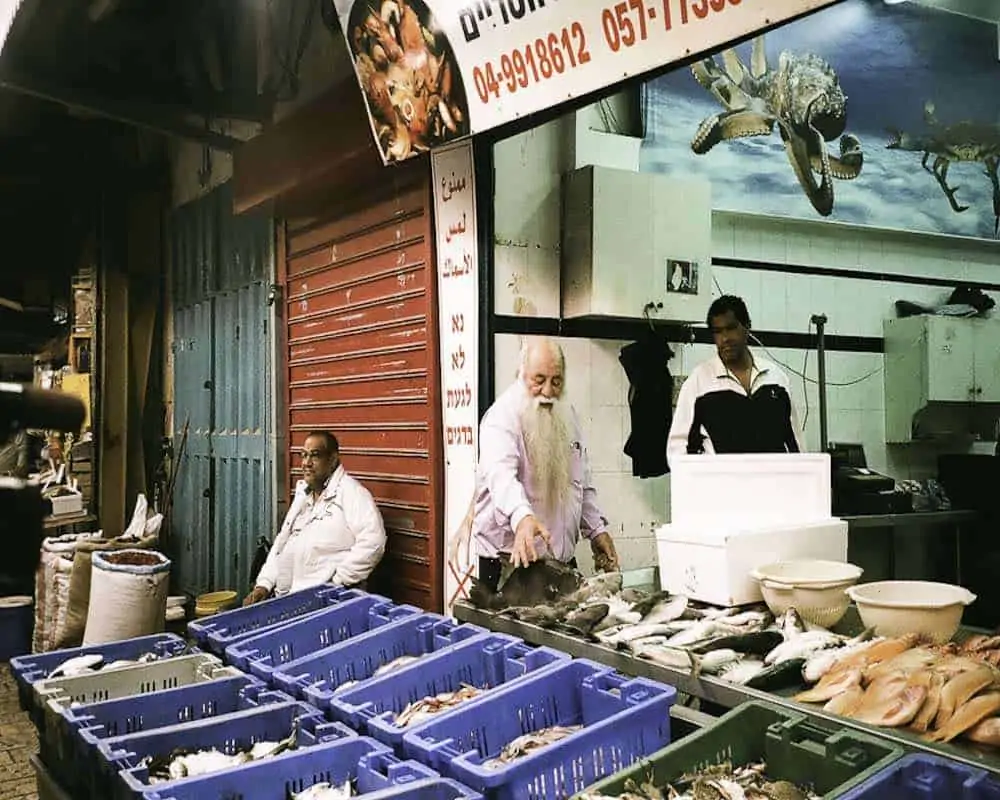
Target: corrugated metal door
362, 361
222, 272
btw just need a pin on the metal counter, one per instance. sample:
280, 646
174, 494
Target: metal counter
707, 688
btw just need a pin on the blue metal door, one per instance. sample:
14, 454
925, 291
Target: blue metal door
223, 389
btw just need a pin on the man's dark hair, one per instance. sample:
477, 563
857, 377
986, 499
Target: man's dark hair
332, 445
729, 302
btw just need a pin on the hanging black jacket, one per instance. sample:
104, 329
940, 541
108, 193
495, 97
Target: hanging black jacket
650, 400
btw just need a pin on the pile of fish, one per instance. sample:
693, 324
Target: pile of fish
385, 669
746, 647
427, 707
721, 782
530, 742
186, 763
325, 791
94, 662
940, 692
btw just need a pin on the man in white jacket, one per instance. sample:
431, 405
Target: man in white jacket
333, 532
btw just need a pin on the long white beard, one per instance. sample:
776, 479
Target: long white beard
547, 447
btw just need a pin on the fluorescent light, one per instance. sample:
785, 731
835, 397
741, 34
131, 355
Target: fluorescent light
894, 2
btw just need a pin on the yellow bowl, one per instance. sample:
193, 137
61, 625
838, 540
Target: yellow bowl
214, 602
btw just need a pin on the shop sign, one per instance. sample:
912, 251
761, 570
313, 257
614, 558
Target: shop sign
433, 71
454, 187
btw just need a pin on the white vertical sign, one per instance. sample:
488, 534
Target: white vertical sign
453, 175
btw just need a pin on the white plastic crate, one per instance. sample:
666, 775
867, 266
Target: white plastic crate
750, 490
53, 694
712, 563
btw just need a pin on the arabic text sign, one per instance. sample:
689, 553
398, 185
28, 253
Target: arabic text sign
433, 70
458, 308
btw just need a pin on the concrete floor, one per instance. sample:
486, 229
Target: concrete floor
17, 742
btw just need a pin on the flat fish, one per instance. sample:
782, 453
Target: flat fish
846, 702
959, 690
985, 732
967, 717
832, 684
892, 702
931, 705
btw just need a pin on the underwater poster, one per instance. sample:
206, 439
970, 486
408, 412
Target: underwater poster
866, 112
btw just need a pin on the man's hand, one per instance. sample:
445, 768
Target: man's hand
524, 551
258, 594
605, 555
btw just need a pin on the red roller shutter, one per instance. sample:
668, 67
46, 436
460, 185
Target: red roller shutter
362, 361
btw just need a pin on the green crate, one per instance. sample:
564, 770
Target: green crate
794, 746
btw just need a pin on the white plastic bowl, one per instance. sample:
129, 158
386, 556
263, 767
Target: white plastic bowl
895, 608
813, 587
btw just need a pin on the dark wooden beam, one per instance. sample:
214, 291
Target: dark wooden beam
135, 114
320, 145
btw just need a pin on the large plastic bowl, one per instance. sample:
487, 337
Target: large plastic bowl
812, 587
895, 608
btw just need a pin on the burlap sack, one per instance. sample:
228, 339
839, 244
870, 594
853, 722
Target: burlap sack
72, 631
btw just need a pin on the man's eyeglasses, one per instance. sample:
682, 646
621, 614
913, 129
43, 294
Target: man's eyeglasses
314, 455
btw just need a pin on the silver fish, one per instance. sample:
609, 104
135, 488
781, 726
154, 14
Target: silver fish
669, 657
802, 646
633, 632
666, 611
739, 672
325, 791
716, 660
820, 663
78, 665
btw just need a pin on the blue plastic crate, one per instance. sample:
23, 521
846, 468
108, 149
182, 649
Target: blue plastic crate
120, 776
30, 668
484, 662
262, 654
427, 789
219, 631
85, 726
624, 720
920, 777
316, 677
370, 764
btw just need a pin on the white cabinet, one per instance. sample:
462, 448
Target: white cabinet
635, 243
948, 364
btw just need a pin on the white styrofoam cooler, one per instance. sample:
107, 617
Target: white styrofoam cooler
712, 563
752, 489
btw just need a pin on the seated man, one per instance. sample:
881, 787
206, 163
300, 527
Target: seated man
333, 532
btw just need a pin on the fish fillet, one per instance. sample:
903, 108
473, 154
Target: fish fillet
846, 702
985, 732
830, 686
959, 690
931, 704
967, 717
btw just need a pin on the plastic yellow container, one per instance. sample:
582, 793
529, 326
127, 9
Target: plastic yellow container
213, 603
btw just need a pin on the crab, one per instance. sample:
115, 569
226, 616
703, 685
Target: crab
971, 142
802, 96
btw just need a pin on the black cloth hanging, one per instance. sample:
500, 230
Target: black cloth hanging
650, 400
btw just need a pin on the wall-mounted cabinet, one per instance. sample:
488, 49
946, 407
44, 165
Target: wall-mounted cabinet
940, 368
634, 244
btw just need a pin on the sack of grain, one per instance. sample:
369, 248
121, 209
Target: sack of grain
128, 595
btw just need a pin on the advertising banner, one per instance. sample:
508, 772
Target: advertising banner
454, 184
433, 71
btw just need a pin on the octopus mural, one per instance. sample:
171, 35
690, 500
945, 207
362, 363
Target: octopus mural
801, 96
970, 142
408, 73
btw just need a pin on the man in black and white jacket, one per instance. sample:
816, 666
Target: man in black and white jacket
734, 402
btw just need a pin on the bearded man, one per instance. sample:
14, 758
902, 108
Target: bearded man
534, 494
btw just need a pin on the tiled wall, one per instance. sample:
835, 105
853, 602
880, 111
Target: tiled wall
528, 169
